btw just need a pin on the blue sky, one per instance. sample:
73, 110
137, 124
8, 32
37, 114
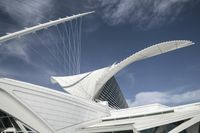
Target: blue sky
117, 29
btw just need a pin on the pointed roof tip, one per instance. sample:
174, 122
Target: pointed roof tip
52, 80
192, 43
91, 11
181, 43
87, 13
188, 41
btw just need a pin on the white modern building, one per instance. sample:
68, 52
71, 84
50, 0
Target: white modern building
91, 103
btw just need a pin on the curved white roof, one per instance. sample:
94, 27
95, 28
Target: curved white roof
89, 84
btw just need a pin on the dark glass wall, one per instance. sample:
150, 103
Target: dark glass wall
111, 92
7, 121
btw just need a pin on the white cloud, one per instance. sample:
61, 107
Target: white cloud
20, 48
126, 79
129, 79
29, 11
25, 13
146, 13
29, 48
4, 72
15, 48
39, 71
167, 98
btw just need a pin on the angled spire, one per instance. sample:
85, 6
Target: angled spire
38, 27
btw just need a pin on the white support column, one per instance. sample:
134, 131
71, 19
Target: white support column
135, 130
21, 126
186, 125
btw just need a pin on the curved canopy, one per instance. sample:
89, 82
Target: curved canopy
89, 86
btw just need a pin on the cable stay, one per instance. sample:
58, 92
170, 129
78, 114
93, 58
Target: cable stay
57, 44
40, 27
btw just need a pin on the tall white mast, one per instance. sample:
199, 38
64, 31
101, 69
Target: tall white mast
33, 29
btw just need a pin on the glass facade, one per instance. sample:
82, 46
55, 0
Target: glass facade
128, 131
8, 124
111, 92
168, 128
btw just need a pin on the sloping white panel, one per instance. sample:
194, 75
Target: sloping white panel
68, 81
81, 85
60, 111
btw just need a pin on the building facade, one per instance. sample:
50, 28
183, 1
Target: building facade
92, 102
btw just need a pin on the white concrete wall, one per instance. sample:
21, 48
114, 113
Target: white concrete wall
56, 111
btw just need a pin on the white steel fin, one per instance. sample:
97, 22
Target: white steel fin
40, 27
92, 84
